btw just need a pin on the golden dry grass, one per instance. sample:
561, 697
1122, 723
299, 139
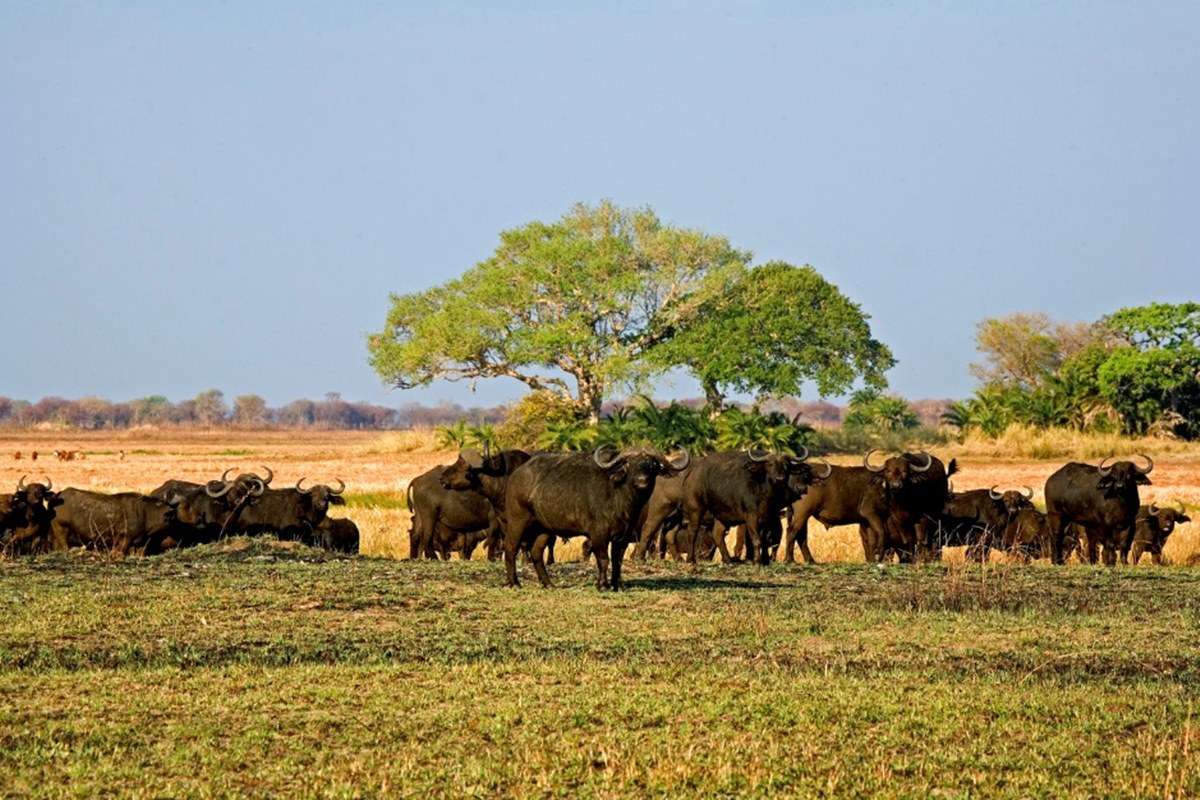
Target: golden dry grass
383, 464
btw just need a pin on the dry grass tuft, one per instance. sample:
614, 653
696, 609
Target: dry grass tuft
1021, 441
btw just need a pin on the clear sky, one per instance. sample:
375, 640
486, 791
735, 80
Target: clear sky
223, 194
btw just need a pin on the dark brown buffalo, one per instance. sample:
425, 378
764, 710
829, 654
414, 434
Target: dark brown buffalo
749, 488
1027, 535
1151, 529
977, 519
487, 473
445, 520
290, 513
1102, 500
337, 534
896, 505
599, 496
206, 512
111, 522
25, 525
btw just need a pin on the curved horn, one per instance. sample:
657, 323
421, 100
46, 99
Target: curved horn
270, 476
21, 483
675, 463
928, 462
1149, 465
225, 474
298, 489
1103, 469
341, 487
992, 493
828, 470
221, 491
1153, 509
753, 454
262, 487
1028, 492
867, 461
597, 456
803, 454
49, 483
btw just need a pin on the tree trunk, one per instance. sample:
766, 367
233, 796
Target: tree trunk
591, 399
714, 398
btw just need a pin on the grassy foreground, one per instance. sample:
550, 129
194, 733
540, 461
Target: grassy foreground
263, 669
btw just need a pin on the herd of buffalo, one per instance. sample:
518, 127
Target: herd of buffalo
36, 518
512, 501
905, 508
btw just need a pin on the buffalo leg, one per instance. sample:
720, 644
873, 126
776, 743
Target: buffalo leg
740, 545
600, 551
797, 534
1156, 556
1057, 524
718, 534
1135, 553
550, 549
514, 533
874, 539
618, 556
537, 553
655, 518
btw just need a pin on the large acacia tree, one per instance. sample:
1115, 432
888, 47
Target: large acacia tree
592, 303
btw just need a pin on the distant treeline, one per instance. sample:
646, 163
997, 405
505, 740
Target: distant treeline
211, 410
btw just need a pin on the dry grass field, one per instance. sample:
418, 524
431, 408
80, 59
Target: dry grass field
377, 469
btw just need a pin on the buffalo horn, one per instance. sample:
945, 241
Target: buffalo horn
598, 456
270, 477
1154, 509
680, 461
222, 489
1103, 469
992, 493
49, 483
758, 454
828, 470
341, 487
298, 489
262, 487
803, 454
867, 461
928, 462
1028, 492
225, 474
21, 483
1149, 465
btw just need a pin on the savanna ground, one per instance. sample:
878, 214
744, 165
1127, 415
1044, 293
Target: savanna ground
261, 668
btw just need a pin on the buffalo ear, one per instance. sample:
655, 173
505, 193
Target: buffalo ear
1142, 479
337, 500
1182, 518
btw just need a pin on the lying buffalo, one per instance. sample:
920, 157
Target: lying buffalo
599, 496
291, 513
1102, 500
112, 522
337, 534
977, 519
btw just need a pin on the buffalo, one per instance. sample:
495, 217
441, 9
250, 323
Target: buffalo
115, 522
1152, 527
444, 520
978, 518
487, 473
290, 513
206, 512
27, 517
573, 494
1102, 500
337, 534
749, 488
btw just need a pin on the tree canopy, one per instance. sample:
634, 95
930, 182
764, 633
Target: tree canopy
605, 298
776, 328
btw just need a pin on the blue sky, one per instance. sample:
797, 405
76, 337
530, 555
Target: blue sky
223, 194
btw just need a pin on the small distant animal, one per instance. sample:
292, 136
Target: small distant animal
33, 456
17, 456
67, 455
122, 457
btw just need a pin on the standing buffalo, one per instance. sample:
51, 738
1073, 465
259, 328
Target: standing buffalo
572, 494
487, 473
115, 522
1152, 527
1103, 500
978, 518
445, 519
749, 488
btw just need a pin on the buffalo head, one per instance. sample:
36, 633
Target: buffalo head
35, 494
899, 470
1012, 500
639, 466
323, 496
1168, 518
1120, 475
778, 468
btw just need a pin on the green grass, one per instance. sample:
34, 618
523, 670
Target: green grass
265, 670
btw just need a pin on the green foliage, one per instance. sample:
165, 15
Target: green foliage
777, 327
869, 408
581, 299
744, 430
1139, 372
530, 416
453, 436
571, 435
